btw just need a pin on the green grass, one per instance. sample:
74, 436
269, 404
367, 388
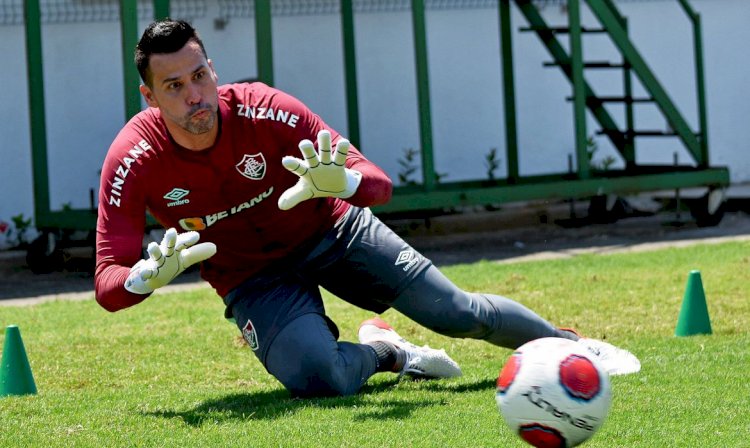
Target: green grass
171, 372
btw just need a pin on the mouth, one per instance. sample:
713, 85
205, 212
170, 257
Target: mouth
201, 114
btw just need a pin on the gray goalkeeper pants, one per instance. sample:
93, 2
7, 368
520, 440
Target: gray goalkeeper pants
281, 314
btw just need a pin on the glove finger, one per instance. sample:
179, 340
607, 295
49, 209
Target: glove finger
197, 253
342, 149
324, 147
147, 273
293, 196
143, 268
168, 242
155, 253
186, 239
294, 165
308, 153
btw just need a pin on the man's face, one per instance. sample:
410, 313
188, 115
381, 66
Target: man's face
184, 88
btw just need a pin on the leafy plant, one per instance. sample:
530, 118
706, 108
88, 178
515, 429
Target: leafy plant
604, 164
17, 233
21, 223
492, 163
408, 165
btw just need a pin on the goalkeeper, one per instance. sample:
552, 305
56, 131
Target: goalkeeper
273, 204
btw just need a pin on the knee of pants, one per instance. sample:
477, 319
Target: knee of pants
308, 360
312, 373
480, 316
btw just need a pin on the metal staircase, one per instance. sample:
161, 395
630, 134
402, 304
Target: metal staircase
582, 180
632, 64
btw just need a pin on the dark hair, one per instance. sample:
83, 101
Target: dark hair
163, 36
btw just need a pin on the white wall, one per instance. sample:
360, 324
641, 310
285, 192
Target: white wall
15, 157
83, 87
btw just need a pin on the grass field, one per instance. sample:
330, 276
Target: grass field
171, 372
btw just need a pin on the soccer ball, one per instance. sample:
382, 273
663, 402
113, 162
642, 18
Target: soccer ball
553, 393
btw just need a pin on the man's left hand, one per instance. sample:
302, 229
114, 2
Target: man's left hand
320, 174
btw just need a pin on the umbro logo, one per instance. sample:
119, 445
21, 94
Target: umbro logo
177, 196
408, 258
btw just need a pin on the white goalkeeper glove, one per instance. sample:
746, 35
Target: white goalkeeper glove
167, 260
320, 175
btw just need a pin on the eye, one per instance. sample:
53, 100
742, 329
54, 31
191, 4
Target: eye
174, 85
200, 76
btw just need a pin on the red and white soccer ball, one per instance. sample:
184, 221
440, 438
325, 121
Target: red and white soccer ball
553, 393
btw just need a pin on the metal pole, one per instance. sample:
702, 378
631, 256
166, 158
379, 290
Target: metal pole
700, 81
509, 91
129, 33
350, 68
161, 9
628, 151
263, 40
579, 94
423, 93
37, 115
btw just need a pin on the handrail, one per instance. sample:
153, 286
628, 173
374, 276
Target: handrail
700, 80
688, 9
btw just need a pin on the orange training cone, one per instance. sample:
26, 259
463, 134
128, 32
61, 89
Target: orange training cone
15, 372
694, 312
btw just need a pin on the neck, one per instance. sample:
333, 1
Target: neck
193, 142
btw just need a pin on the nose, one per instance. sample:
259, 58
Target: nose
193, 94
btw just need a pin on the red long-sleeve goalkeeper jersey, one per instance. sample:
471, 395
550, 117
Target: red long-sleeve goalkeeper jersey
228, 193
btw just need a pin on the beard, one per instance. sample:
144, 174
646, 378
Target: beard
201, 125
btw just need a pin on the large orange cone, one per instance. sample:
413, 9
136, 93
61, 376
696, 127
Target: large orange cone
15, 371
694, 312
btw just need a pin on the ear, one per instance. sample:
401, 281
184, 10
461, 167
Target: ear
148, 95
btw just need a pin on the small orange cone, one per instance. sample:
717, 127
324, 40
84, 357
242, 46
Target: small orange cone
694, 312
15, 371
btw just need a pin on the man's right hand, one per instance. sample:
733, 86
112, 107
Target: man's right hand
167, 260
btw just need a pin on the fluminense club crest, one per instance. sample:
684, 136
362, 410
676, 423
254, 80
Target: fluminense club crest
252, 166
250, 335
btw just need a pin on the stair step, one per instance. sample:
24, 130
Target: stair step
592, 64
644, 133
619, 99
560, 29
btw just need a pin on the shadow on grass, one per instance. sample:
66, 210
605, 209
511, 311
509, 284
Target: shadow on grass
269, 405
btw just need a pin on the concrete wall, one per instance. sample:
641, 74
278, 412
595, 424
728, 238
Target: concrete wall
85, 106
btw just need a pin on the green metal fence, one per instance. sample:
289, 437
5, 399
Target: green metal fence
582, 181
